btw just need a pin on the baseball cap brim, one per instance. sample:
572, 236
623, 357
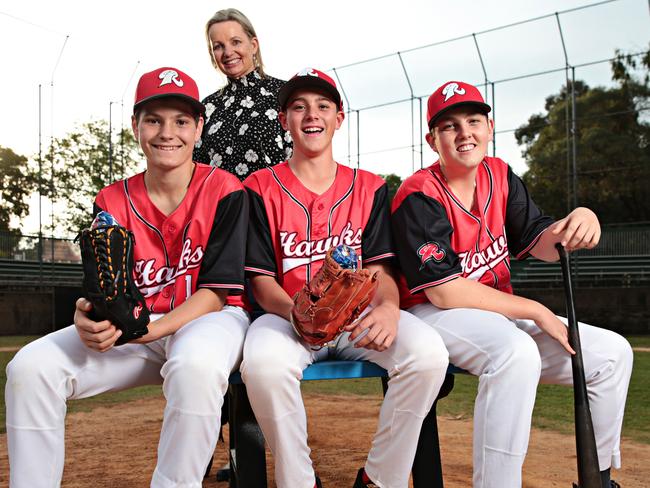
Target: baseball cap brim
305, 82
483, 107
198, 107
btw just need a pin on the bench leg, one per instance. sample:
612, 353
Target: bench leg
246, 443
427, 467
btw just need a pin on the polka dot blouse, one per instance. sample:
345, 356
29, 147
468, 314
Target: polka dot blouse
242, 132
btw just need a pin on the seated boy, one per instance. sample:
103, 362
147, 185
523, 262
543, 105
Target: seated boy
299, 209
190, 222
455, 224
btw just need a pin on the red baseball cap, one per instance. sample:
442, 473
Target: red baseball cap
168, 82
453, 94
309, 78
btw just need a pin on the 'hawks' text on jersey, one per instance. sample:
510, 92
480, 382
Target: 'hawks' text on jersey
291, 228
439, 239
201, 244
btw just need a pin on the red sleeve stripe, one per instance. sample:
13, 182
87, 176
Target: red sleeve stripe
222, 285
531, 245
258, 271
434, 283
381, 256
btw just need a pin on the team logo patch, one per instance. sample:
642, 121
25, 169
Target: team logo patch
431, 250
307, 72
170, 76
452, 89
136, 312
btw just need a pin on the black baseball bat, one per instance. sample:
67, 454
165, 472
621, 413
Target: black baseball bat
588, 469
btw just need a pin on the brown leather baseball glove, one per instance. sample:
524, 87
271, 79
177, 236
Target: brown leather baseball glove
334, 298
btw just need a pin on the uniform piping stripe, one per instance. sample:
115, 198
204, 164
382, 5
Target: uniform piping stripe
259, 270
531, 245
222, 285
304, 209
491, 186
187, 228
381, 256
340, 201
144, 221
453, 198
434, 283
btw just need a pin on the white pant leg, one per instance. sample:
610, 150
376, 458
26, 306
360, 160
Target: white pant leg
508, 365
41, 377
274, 359
607, 359
200, 357
417, 364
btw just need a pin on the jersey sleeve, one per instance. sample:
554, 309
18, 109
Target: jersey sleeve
524, 220
422, 234
377, 242
223, 262
260, 254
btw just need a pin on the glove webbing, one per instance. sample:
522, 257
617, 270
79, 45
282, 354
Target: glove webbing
101, 241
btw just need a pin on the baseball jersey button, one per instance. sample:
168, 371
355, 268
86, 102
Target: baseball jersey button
320, 206
172, 229
166, 292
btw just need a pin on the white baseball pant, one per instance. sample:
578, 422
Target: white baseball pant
193, 366
274, 358
511, 357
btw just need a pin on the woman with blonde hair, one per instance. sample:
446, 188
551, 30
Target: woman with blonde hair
241, 133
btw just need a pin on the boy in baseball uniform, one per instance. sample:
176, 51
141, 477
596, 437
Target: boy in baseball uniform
299, 209
455, 224
190, 222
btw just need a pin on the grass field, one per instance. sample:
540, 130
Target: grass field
553, 410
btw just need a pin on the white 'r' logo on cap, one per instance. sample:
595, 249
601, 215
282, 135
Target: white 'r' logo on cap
170, 76
452, 89
307, 72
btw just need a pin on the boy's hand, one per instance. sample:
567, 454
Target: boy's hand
578, 230
100, 336
381, 323
551, 325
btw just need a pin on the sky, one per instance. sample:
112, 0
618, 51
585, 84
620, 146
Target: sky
87, 54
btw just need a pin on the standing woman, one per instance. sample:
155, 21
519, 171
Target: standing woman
241, 133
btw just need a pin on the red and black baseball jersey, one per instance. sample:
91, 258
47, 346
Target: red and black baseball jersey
291, 228
438, 239
201, 244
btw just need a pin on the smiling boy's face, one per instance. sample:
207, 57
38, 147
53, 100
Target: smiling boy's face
167, 130
461, 137
311, 117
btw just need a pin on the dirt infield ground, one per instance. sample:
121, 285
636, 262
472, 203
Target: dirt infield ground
116, 447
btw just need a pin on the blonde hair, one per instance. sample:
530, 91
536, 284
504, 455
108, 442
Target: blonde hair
236, 16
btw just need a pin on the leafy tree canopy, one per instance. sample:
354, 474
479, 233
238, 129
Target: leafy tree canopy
612, 146
393, 182
17, 181
82, 167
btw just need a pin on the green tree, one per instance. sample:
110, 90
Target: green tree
612, 146
83, 166
17, 182
393, 181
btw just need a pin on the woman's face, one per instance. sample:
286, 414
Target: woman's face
233, 50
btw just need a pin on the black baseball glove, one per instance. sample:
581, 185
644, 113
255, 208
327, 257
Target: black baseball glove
107, 256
